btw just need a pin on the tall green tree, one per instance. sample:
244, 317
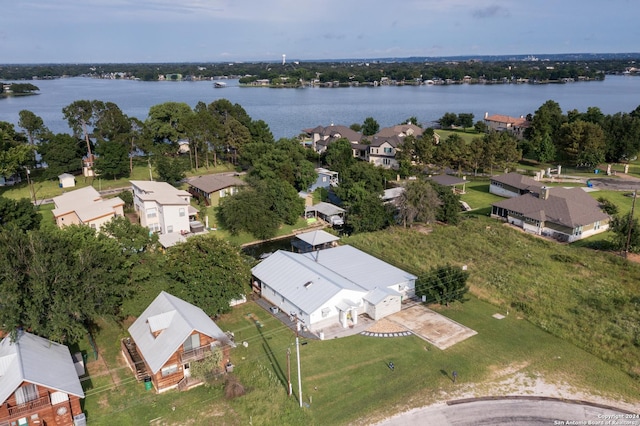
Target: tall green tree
625, 233
209, 272
339, 155
15, 153
32, 124
582, 144
167, 123
21, 214
443, 284
57, 283
418, 203
370, 126
112, 160
62, 153
82, 115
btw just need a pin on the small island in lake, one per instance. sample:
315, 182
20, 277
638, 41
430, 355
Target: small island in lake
18, 89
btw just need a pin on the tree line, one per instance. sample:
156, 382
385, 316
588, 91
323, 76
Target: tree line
343, 71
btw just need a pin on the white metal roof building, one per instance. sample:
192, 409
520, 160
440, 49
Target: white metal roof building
39, 361
165, 325
334, 285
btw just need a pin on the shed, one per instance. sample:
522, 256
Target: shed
67, 180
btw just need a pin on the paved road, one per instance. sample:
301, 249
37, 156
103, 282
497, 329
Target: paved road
510, 412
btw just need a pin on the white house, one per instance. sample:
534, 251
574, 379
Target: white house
332, 286
161, 207
85, 206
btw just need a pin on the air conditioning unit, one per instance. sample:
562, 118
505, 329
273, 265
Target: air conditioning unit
80, 420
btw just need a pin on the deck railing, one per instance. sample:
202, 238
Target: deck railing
195, 354
25, 408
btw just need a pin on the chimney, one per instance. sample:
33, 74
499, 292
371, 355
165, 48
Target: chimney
486, 115
544, 193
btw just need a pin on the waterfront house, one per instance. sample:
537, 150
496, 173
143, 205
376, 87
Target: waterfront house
504, 123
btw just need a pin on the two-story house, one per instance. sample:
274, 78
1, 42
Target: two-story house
167, 337
504, 123
39, 384
161, 207
85, 206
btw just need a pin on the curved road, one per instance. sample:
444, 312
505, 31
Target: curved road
512, 412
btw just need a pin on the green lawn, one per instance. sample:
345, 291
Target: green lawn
346, 379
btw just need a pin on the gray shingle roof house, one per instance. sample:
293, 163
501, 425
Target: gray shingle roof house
169, 335
38, 382
332, 286
567, 214
513, 184
213, 187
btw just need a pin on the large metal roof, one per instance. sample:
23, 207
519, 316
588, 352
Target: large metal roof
176, 320
309, 280
36, 360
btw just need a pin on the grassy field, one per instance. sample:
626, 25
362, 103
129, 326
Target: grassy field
585, 297
345, 380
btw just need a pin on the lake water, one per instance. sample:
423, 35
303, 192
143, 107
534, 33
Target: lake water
288, 111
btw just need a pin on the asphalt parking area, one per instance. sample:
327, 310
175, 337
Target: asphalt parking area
436, 329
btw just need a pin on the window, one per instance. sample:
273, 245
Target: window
388, 150
167, 371
152, 212
192, 342
181, 212
596, 225
154, 227
26, 393
169, 229
386, 161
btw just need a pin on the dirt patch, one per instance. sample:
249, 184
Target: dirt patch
386, 326
436, 329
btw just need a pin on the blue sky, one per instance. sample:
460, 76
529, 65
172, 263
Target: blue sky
99, 31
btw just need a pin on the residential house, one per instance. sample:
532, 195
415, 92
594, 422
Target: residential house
333, 286
326, 179
505, 123
85, 206
321, 136
213, 187
167, 338
39, 384
87, 165
566, 214
161, 207
382, 151
401, 130
513, 185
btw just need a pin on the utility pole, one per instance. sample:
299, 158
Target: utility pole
31, 190
297, 321
289, 390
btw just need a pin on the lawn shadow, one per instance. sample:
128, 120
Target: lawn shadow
272, 358
446, 374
